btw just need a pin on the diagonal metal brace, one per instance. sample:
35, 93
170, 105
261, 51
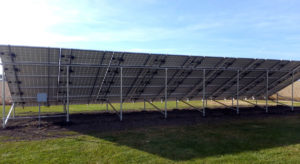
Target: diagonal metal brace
281, 103
116, 111
252, 104
223, 104
10, 110
157, 108
191, 106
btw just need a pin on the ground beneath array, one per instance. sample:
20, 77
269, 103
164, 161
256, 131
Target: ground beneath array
82, 123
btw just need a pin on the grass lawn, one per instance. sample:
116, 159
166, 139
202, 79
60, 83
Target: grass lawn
33, 110
274, 139
268, 140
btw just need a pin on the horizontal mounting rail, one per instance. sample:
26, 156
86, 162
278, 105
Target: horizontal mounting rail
34, 117
137, 66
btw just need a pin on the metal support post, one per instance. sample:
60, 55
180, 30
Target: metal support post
3, 97
232, 102
203, 95
68, 92
166, 91
121, 93
176, 103
267, 92
293, 91
144, 104
237, 91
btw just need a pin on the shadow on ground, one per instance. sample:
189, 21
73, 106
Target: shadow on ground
185, 135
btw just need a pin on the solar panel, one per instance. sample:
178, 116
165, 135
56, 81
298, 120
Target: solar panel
95, 76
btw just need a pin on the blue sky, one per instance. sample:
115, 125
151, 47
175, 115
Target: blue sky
232, 28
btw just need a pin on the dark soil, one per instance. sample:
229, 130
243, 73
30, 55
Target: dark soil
82, 123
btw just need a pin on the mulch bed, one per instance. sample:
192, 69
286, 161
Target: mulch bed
29, 129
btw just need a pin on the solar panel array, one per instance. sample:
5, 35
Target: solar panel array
94, 76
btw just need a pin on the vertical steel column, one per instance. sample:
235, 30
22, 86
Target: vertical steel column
176, 103
166, 92
121, 93
203, 93
68, 92
267, 92
3, 97
237, 91
232, 101
293, 91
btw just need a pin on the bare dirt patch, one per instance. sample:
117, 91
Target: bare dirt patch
82, 123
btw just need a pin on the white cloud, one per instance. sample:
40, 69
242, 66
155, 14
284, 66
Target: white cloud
32, 22
27, 22
39, 23
89, 23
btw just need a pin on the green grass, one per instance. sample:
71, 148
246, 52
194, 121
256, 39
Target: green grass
269, 140
33, 110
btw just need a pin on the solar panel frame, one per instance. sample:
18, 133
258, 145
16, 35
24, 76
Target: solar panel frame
95, 75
